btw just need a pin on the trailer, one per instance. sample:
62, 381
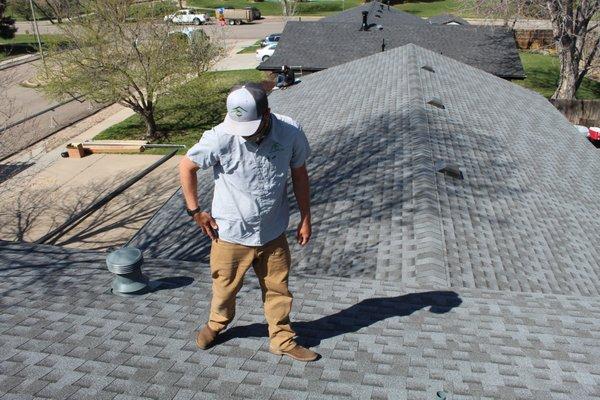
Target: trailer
233, 16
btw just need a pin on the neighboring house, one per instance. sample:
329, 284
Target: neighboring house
314, 46
415, 281
447, 19
378, 14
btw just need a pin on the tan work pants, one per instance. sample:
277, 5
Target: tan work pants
271, 262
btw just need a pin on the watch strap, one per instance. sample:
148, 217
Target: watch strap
193, 212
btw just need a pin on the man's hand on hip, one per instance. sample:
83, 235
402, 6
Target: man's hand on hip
207, 223
304, 231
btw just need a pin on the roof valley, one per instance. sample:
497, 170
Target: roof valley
429, 266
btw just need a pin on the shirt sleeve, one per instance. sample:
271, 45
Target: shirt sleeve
301, 150
206, 152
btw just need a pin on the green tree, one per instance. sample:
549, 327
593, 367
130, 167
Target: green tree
112, 58
7, 24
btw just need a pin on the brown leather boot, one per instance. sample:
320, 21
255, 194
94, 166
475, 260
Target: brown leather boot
299, 353
205, 337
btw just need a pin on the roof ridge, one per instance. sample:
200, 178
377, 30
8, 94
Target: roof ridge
430, 264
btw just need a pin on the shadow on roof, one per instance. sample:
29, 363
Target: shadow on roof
352, 319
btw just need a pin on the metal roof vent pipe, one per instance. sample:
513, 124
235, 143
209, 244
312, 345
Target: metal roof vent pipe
126, 264
365, 25
383, 45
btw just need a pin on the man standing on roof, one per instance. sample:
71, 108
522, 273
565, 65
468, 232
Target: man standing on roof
251, 154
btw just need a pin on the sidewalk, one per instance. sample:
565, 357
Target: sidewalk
520, 24
235, 61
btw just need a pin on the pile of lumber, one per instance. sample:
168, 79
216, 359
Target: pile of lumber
105, 146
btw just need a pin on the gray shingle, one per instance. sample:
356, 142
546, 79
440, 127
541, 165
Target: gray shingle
445, 19
514, 311
405, 341
315, 46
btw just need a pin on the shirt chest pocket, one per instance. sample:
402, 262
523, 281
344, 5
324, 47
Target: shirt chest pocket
276, 161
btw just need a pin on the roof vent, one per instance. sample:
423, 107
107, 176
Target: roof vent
126, 264
451, 170
383, 45
365, 25
436, 103
428, 68
388, 4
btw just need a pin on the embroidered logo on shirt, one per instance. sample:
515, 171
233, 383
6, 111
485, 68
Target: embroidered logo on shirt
275, 148
238, 111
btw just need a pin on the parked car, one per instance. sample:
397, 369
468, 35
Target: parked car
255, 12
188, 17
265, 53
272, 38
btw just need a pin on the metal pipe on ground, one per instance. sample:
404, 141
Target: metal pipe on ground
53, 236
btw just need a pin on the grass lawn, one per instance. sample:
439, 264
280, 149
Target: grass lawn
251, 48
325, 7
12, 12
426, 9
25, 44
542, 76
186, 112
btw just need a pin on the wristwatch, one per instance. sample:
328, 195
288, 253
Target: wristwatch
193, 212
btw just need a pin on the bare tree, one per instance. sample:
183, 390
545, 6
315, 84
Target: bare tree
288, 7
571, 25
112, 58
574, 26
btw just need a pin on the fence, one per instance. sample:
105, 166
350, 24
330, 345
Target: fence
580, 112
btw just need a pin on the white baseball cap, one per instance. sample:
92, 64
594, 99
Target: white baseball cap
246, 105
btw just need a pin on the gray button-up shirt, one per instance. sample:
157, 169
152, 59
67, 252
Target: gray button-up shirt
250, 198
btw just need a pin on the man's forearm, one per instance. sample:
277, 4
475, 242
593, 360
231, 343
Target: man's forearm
301, 186
189, 185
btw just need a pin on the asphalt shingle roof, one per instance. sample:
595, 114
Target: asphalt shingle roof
379, 14
315, 46
414, 282
519, 221
64, 336
444, 19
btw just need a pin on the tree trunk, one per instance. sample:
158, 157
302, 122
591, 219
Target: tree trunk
151, 129
568, 82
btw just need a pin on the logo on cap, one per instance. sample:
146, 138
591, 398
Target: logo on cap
238, 111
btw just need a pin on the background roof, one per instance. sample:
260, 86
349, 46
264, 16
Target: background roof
379, 14
443, 19
318, 45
